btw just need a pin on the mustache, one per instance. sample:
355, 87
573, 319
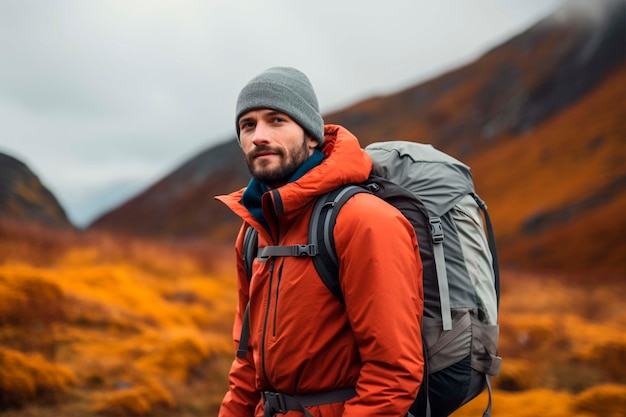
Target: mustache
263, 149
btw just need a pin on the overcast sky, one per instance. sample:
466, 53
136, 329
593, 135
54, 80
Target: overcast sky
103, 98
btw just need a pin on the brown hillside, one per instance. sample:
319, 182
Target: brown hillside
25, 199
539, 118
182, 204
558, 194
508, 91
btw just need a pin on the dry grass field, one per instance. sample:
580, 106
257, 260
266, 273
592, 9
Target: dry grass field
92, 325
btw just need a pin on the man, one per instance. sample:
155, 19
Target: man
363, 356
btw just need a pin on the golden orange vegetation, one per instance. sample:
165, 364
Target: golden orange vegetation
563, 343
94, 325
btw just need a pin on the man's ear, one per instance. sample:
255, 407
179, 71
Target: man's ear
312, 143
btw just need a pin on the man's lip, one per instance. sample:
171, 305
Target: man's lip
262, 154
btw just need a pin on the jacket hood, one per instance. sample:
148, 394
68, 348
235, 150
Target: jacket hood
345, 163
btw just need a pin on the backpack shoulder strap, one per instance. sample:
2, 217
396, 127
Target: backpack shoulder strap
249, 250
321, 248
321, 243
321, 235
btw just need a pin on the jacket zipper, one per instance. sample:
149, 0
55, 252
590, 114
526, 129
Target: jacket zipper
280, 277
269, 300
267, 313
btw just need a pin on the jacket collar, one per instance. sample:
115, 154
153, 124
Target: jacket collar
252, 196
345, 162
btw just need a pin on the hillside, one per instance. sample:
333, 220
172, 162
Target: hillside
25, 199
558, 195
540, 119
181, 204
506, 93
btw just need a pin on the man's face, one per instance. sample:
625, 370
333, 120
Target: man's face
274, 145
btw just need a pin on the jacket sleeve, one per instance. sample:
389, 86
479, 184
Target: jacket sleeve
381, 279
242, 397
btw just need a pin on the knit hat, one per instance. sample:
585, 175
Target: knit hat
286, 90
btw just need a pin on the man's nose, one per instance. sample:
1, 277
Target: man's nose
261, 134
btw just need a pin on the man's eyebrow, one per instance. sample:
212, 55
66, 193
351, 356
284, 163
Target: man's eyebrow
245, 119
268, 113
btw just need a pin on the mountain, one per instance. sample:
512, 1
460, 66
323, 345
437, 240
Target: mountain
24, 199
182, 204
539, 118
508, 91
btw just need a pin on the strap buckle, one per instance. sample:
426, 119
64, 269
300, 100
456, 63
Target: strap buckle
274, 402
305, 250
436, 229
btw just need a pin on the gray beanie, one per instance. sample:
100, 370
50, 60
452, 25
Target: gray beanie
286, 90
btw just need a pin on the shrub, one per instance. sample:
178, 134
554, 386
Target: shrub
130, 402
32, 306
177, 357
24, 378
516, 375
532, 403
31, 301
611, 357
608, 400
137, 401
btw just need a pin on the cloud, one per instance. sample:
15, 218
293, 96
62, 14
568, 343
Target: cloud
135, 87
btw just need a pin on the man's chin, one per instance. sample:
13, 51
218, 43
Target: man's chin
265, 167
264, 173
271, 178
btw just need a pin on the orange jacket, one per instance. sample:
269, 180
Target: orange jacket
302, 339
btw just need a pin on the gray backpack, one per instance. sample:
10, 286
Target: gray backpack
435, 192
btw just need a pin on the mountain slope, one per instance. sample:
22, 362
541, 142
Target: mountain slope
508, 91
558, 194
540, 119
182, 204
25, 199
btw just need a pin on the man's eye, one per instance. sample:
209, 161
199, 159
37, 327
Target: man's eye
278, 119
246, 125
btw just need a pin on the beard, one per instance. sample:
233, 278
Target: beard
276, 176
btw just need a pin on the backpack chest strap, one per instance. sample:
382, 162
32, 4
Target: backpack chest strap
291, 250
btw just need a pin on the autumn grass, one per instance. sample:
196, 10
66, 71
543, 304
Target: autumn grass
563, 341
27, 377
95, 325
119, 327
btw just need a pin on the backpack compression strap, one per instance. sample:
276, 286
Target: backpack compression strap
492, 245
496, 271
436, 234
